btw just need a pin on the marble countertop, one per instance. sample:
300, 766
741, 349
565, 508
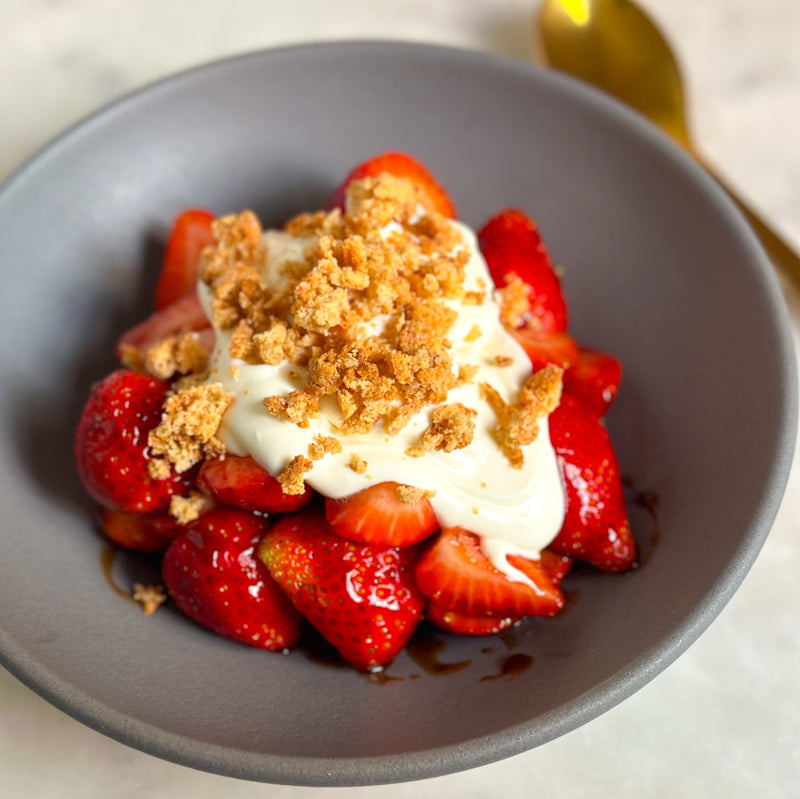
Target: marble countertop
724, 720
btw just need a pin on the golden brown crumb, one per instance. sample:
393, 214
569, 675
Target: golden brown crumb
452, 427
357, 464
270, 344
411, 495
474, 333
474, 297
130, 357
158, 469
298, 407
353, 274
322, 446
150, 597
518, 424
514, 301
363, 318
187, 509
187, 432
292, 476
467, 372
184, 355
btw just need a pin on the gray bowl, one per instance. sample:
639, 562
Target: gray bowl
659, 270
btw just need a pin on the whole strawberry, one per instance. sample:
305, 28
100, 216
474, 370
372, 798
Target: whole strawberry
361, 598
111, 445
511, 245
213, 574
241, 482
596, 527
401, 166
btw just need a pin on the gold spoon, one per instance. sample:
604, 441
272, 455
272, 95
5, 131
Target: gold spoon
613, 45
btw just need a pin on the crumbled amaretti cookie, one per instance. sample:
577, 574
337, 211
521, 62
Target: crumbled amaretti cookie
518, 424
187, 432
385, 258
150, 597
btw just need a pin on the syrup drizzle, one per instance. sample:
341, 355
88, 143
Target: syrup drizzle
511, 666
107, 557
648, 500
425, 650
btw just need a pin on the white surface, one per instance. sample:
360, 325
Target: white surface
724, 720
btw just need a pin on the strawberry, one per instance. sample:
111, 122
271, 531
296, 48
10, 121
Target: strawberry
556, 567
464, 624
137, 531
111, 445
191, 234
594, 379
511, 245
376, 516
241, 482
362, 599
596, 527
185, 315
543, 347
401, 166
213, 574
455, 575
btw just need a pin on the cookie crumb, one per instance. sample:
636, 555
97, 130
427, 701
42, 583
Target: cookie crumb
298, 407
410, 495
452, 427
514, 298
357, 464
187, 509
292, 476
474, 333
518, 424
150, 597
176, 355
467, 372
322, 446
503, 360
187, 433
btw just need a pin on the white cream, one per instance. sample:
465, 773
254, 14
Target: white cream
514, 511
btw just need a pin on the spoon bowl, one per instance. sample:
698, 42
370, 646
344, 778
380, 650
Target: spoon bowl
615, 46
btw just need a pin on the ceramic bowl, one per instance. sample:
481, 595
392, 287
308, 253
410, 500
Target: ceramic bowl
658, 269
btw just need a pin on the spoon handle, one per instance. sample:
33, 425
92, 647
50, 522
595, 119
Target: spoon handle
779, 252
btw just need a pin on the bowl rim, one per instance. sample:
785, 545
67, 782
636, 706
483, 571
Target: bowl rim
318, 771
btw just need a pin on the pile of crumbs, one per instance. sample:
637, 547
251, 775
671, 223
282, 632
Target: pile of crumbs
387, 257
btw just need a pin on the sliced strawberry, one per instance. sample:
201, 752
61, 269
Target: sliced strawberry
213, 574
456, 575
511, 245
543, 347
185, 315
596, 527
464, 624
556, 565
594, 379
111, 445
362, 599
137, 531
191, 234
401, 166
377, 516
243, 483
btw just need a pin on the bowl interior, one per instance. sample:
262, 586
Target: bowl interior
658, 270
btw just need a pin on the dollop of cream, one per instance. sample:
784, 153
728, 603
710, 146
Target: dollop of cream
513, 511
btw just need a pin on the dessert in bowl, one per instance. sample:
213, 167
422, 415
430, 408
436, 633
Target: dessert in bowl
381, 356
643, 238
